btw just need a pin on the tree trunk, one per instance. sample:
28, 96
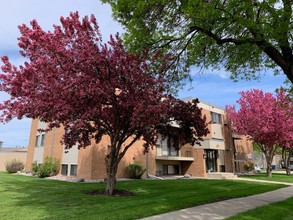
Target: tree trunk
111, 162
110, 185
289, 70
269, 159
287, 162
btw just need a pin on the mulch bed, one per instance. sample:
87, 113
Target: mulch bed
116, 193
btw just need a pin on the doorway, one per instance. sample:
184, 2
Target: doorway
211, 160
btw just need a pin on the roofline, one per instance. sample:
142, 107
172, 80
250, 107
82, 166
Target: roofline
189, 98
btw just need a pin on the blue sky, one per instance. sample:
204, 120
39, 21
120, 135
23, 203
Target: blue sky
220, 90
212, 87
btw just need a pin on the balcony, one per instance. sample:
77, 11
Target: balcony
213, 144
175, 155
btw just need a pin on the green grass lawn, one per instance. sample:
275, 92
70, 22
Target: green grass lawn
280, 177
31, 198
281, 210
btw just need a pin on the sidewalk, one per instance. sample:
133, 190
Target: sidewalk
228, 208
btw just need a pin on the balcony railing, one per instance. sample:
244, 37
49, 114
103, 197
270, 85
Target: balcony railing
183, 155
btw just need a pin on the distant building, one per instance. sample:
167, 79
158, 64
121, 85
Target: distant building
220, 151
11, 153
277, 163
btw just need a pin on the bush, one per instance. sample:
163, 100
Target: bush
35, 167
249, 166
50, 167
135, 171
14, 165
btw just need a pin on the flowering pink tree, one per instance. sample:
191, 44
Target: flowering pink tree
265, 118
92, 89
286, 129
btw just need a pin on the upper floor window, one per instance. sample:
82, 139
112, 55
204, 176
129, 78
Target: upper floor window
43, 136
37, 140
168, 146
216, 118
40, 140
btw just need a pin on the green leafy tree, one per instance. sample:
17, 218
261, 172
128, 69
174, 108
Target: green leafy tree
243, 37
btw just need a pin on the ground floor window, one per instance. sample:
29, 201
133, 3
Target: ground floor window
73, 170
64, 169
170, 169
69, 169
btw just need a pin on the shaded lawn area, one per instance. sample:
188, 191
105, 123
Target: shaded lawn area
280, 177
281, 210
31, 198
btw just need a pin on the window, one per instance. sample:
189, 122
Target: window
216, 118
40, 140
64, 169
43, 140
73, 170
170, 147
37, 140
164, 145
170, 169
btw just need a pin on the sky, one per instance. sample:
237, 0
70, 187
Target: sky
211, 87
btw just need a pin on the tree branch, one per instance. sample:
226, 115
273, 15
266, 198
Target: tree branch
221, 41
128, 146
285, 27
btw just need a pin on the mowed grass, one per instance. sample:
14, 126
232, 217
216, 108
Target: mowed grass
281, 210
31, 198
279, 177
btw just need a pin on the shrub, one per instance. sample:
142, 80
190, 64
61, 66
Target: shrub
14, 165
135, 171
249, 166
50, 167
35, 167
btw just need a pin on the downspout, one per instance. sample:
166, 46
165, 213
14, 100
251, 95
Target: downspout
232, 146
147, 164
52, 144
233, 155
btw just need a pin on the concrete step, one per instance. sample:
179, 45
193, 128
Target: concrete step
221, 175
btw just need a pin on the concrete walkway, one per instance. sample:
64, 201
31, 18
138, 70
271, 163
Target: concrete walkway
228, 208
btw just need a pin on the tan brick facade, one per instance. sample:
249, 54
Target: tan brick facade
217, 152
31, 145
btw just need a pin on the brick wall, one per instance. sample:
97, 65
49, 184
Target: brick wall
31, 145
8, 156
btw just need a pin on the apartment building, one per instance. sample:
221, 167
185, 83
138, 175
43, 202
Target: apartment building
218, 152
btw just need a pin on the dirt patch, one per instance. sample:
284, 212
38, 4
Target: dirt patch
116, 193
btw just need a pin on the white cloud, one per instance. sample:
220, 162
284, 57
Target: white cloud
210, 71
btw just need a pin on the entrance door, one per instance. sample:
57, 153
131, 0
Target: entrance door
211, 160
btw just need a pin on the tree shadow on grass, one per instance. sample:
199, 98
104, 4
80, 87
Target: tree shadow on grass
35, 198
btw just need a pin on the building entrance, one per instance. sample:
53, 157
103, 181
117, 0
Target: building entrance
211, 160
